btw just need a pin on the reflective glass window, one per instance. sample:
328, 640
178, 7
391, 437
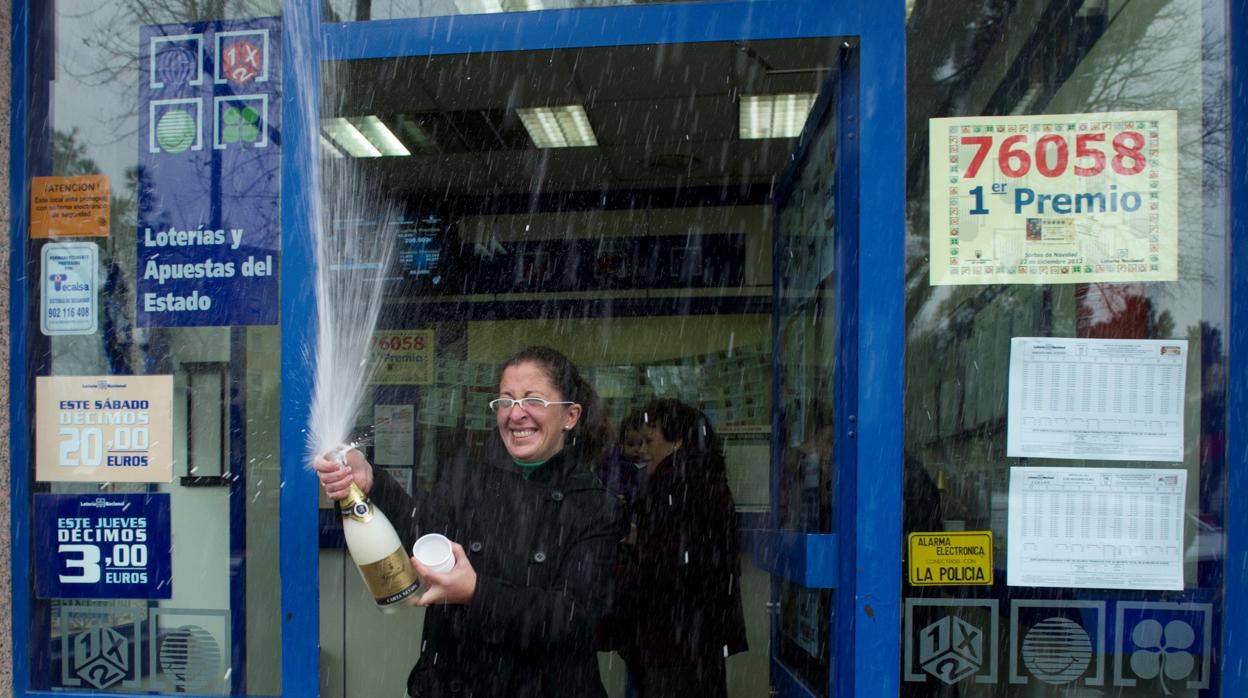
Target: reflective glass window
1033, 561
165, 584
610, 203
364, 10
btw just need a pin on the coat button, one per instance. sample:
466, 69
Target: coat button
456, 686
557, 496
475, 546
539, 557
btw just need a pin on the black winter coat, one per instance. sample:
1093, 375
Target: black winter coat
543, 549
680, 586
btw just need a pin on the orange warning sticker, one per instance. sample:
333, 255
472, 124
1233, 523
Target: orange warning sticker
69, 207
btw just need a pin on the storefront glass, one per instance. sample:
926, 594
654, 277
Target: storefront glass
364, 10
1065, 364
1066, 302
644, 253
145, 579
808, 327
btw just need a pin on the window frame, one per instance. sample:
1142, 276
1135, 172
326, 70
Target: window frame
875, 554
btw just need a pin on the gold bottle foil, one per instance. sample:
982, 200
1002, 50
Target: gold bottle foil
356, 506
391, 579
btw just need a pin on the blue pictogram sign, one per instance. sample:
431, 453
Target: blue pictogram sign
209, 173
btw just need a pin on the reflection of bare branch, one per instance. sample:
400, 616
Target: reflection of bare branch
109, 37
1145, 58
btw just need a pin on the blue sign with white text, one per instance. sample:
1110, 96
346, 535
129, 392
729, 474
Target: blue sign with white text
209, 173
103, 546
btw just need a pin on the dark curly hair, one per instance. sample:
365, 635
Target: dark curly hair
593, 431
678, 421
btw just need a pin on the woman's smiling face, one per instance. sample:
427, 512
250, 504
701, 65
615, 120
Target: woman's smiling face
656, 447
533, 434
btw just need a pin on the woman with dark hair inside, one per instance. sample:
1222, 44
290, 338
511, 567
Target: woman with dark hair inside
535, 537
623, 468
679, 612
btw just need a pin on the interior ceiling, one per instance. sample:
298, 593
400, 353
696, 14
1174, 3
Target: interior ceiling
665, 116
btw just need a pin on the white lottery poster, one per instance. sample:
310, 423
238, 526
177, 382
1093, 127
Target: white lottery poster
1058, 198
394, 434
104, 428
1096, 528
1100, 399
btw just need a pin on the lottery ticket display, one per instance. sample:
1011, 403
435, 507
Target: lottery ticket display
1054, 198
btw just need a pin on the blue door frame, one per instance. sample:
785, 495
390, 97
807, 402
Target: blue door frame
868, 606
874, 586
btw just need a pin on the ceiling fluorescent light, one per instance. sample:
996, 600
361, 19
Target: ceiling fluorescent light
774, 116
329, 149
558, 127
382, 138
473, 7
349, 138
415, 135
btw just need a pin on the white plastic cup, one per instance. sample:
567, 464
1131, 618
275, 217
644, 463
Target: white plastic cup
434, 551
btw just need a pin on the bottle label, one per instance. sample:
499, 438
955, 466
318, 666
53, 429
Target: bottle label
391, 579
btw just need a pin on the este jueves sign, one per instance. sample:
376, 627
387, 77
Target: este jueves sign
113, 546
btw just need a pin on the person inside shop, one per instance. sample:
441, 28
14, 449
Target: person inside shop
679, 612
624, 467
535, 540
806, 482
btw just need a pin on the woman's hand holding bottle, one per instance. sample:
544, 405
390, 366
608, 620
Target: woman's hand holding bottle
336, 480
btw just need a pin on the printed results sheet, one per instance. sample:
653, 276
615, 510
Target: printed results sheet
395, 434
1096, 528
1101, 399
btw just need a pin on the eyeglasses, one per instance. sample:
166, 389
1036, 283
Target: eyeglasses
526, 403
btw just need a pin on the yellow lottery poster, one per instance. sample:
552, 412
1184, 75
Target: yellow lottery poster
1054, 198
104, 428
404, 357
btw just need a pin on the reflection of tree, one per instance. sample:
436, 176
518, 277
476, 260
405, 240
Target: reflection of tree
1119, 311
1141, 57
1163, 70
108, 33
69, 157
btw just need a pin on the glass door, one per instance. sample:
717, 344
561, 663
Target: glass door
814, 269
647, 257
643, 249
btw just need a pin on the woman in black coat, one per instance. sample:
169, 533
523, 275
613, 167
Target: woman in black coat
535, 537
679, 612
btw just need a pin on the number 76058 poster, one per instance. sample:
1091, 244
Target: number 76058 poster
1059, 198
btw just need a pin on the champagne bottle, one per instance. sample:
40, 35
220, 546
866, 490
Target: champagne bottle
376, 550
